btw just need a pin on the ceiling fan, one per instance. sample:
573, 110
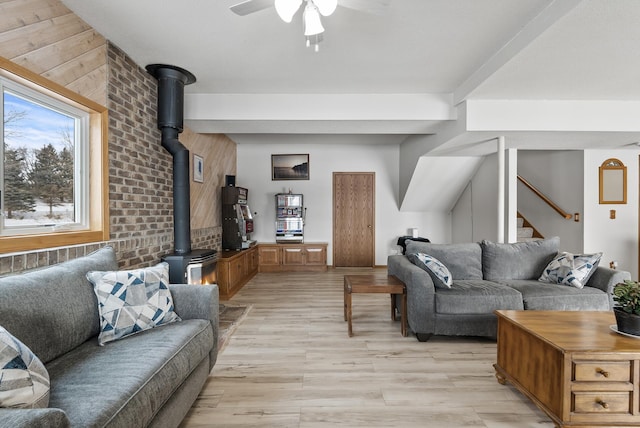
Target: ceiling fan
313, 9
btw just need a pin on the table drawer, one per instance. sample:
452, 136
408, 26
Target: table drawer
602, 371
601, 402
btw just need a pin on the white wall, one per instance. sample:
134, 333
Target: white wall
618, 238
475, 216
461, 218
254, 173
557, 174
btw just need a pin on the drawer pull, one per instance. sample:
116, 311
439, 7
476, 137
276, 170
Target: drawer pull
602, 372
604, 404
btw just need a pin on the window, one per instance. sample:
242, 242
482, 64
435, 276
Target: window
53, 177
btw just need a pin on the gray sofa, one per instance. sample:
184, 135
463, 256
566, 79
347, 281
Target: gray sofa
489, 276
147, 379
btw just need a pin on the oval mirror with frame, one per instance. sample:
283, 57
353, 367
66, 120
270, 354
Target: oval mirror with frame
613, 182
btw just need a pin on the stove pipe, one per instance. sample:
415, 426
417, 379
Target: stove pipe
171, 81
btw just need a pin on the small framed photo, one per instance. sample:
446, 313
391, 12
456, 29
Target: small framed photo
290, 167
198, 169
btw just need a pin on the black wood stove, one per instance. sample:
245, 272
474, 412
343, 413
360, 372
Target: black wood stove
185, 265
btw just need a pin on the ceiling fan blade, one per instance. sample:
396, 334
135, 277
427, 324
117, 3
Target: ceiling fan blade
287, 8
326, 7
377, 7
249, 6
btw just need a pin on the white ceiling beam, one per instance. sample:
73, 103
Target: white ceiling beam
553, 115
358, 127
317, 113
319, 107
531, 31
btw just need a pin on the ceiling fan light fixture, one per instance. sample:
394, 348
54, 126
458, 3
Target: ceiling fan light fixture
326, 7
314, 41
311, 18
287, 8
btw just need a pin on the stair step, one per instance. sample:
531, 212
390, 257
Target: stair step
528, 239
520, 222
525, 232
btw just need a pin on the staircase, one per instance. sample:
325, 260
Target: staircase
526, 232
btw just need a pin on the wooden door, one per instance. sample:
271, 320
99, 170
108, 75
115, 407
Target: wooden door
354, 219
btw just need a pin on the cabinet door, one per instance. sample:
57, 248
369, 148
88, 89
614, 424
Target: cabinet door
269, 255
236, 268
222, 273
315, 255
292, 255
252, 260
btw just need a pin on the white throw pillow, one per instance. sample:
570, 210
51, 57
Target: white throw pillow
437, 270
570, 269
24, 381
131, 301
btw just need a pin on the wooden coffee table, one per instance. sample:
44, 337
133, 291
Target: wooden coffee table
375, 284
572, 366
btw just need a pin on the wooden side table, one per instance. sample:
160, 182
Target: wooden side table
375, 284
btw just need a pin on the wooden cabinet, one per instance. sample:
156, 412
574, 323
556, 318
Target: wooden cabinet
572, 366
603, 384
292, 257
269, 255
235, 269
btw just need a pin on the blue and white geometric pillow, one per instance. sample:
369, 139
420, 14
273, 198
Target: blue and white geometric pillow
437, 268
571, 269
131, 301
24, 381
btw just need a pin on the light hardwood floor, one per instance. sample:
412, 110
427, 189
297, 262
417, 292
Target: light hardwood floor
292, 364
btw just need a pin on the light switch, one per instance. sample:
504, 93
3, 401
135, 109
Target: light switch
612, 214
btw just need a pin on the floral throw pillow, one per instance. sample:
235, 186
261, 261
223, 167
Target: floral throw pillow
437, 270
24, 381
571, 269
131, 301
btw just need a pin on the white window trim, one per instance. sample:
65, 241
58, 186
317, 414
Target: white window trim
81, 150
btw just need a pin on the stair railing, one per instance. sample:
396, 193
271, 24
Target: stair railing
548, 201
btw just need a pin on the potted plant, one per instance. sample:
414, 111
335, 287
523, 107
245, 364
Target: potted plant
627, 310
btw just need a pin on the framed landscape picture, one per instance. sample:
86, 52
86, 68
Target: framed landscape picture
290, 167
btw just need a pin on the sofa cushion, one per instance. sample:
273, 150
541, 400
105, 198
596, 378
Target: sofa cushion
570, 269
125, 383
520, 260
537, 295
464, 261
438, 272
476, 297
60, 298
131, 301
24, 381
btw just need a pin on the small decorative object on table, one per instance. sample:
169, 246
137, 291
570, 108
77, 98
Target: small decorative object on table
627, 310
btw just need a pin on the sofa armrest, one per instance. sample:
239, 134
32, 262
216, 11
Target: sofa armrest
421, 293
34, 418
199, 302
605, 279
402, 268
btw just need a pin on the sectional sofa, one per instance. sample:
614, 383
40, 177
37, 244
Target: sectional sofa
486, 276
150, 378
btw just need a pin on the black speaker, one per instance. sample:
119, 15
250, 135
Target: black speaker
230, 180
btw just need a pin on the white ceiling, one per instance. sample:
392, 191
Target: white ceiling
442, 76
466, 49
418, 46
